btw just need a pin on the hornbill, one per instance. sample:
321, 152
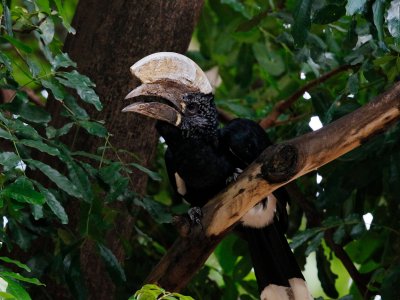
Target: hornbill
202, 159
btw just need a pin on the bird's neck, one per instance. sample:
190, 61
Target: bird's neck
175, 137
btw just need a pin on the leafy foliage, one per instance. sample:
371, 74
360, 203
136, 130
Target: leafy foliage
34, 190
264, 51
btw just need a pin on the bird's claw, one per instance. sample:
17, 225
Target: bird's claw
234, 176
195, 215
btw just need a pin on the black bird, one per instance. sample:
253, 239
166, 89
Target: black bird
202, 159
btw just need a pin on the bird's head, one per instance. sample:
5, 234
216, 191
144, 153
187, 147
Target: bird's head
186, 100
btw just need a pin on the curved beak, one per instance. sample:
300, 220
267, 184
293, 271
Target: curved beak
157, 111
169, 76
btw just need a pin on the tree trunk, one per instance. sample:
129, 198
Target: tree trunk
111, 36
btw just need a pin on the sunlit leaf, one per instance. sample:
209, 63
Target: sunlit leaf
64, 17
355, 6
15, 262
19, 277
378, 10
393, 18
17, 290
17, 43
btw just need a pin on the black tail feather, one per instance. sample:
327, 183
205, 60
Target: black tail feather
273, 260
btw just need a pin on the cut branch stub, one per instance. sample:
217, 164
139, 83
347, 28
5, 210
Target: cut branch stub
282, 165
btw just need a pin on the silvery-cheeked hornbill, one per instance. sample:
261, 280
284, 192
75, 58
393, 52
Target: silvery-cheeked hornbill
202, 159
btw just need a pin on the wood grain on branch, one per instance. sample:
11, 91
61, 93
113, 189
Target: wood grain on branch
276, 166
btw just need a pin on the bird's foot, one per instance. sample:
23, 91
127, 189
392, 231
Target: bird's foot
195, 215
234, 176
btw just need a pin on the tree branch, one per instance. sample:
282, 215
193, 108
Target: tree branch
283, 105
276, 166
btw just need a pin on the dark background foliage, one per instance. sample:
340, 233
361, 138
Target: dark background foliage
257, 53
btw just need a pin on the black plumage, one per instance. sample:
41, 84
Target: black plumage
202, 159
207, 159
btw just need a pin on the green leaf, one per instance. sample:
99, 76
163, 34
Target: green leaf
64, 16
51, 132
60, 180
9, 160
4, 295
17, 290
22, 190
24, 130
56, 89
242, 268
44, 6
19, 277
6, 135
42, 147
378, 9
83, 85
24, 108
77, 111
153, 175
302, 22
159, 212
33, 66
271, 62
325, 274
355, 6
15, 262
303, 236
78, 176
112, 264
225, 255
17, 43
314, 243
5, 60
47, 30
238, 6
94, 128
328, 14
54, 204
393, 19
7, 17
339, 234
353, 84
63, 61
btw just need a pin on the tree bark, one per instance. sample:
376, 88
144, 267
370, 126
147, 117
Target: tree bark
276, 166
110, 37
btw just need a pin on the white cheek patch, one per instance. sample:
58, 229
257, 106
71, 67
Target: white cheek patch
260, 216
277, 292
180, 185
300, 289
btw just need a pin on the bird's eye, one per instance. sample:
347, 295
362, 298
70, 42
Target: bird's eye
191, 108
